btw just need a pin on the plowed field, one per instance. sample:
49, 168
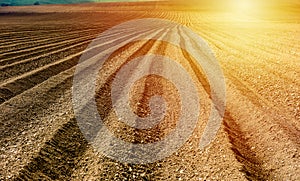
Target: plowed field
40, 47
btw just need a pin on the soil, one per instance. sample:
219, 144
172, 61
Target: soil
40, 137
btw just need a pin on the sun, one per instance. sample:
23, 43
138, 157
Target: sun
244, 5
244, 9
240, 5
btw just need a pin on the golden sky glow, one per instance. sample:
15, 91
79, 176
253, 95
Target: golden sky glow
248, 9
243, 5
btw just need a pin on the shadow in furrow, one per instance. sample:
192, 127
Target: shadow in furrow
111, 167
242, 150
10, 90
290, 131
21, 117
18, 86
196, 68
58, 157
240, 146
53, 50
104, 103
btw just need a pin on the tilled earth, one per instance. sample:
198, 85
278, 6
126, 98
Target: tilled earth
40, 138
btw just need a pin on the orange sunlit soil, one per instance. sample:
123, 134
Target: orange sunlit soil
255, 42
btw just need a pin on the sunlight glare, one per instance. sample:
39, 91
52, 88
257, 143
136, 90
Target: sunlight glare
244, 6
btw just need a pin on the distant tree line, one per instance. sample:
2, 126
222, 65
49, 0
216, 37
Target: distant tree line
5, 4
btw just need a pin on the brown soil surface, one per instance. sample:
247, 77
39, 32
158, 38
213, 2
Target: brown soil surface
39, 137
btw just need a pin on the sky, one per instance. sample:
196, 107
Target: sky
31, 2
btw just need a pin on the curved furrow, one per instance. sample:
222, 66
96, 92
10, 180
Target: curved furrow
17, 85
66, 144
20, 68
42, 53
254, 136
48, 103
68, 73
109, 166
242, 149
30, 79
13, 41
250, 39
196, 68
258, 50
20, 56
220, 144
47, 30
42, 43
230, 47
289, 131
21, 32
40, 137
275, 75
271, 45
10, 41
58, 157
255, 96
39, 40
118, 63
9, 45
112, 167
